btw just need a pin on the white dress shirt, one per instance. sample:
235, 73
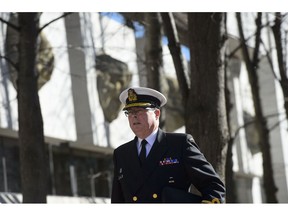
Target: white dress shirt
150, 141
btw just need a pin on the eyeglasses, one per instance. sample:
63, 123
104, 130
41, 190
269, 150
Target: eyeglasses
137, 112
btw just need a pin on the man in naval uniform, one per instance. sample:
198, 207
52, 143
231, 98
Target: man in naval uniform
156, 166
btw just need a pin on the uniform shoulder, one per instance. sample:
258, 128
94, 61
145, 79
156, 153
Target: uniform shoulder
124, 146
182, 137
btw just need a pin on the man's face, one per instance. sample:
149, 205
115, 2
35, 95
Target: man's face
143, 121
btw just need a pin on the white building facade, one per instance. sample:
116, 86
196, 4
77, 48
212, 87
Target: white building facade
72, 112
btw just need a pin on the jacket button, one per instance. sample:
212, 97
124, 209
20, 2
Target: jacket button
154, 195
135, 198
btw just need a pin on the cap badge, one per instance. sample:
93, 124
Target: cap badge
132, 96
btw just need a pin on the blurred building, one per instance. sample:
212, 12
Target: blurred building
96, 57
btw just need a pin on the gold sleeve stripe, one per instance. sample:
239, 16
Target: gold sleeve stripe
214, 200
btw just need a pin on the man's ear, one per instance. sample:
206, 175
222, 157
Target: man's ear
157, 113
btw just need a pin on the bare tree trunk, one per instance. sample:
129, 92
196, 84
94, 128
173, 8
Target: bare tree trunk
231, 194
153, 50
281, 58
206, 115
31, 137
260, 121
153, 56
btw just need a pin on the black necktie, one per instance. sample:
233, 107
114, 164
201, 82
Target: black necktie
142, 155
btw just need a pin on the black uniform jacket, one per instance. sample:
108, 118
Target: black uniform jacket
174, 161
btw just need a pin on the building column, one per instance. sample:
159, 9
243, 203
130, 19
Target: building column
78, 79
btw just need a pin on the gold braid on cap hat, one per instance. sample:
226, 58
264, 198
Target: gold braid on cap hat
135, 100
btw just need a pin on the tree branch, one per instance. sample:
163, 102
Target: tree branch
54, 20
10, 62
17, 28
175, 50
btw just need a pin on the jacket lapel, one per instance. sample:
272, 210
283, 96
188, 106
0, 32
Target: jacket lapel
134, 168
158, 150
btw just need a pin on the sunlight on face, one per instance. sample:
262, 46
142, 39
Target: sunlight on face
143, 121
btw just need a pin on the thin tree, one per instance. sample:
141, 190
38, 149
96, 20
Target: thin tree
175, 51
281, 56
252, 64
231, 193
